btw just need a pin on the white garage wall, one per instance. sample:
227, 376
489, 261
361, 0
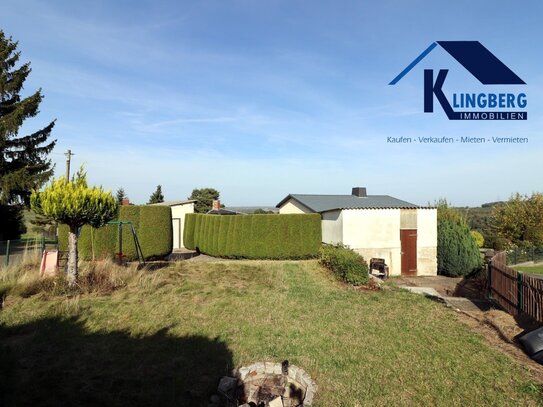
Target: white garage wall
179, 211
374, 233
332, 227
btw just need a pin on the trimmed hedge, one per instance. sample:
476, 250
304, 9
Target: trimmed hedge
348, 265
153, 225
254, 236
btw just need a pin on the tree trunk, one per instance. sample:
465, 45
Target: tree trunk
72, 257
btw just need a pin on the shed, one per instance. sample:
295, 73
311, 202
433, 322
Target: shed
376, 226
179, 210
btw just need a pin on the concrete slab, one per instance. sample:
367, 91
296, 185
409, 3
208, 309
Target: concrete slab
459, 303
468, 305
426, 291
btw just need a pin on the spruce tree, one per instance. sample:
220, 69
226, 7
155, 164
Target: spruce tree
156, 197
120, 195
24, 165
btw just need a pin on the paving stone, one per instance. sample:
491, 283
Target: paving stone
276, 402
243, 372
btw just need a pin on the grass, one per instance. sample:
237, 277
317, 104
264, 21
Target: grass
530, 269
166, 337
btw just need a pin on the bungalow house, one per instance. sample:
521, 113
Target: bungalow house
179, 210
376, 226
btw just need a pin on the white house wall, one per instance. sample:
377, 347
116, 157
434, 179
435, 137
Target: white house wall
179, 211
332, 227
293, 206
374, 233
427, 242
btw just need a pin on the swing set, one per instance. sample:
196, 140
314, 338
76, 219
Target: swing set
120, 255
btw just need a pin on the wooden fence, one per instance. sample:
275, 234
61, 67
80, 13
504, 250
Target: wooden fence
515, 292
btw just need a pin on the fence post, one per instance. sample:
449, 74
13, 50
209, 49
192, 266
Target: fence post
489, 272
519, 291
7, 253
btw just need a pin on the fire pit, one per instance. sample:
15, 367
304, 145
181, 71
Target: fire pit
267, 384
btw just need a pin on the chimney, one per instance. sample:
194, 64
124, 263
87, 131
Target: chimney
216, 205
360, 192
125, 202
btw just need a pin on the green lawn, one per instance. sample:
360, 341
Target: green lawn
168, 336
530, 269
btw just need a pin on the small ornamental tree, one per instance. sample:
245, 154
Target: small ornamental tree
75, 204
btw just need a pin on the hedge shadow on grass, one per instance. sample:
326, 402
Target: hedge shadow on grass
58, 362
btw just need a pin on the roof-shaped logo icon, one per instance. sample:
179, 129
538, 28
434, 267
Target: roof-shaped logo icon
473, 56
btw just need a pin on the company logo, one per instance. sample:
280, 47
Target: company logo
487, 69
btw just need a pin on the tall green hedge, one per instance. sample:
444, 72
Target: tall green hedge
254, 236
153, 225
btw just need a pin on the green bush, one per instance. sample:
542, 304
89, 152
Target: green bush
478, 237
153, 226
188, 232
457, 252
254, 236
348, 265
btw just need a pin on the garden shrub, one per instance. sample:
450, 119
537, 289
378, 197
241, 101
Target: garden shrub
348, 265
255, 236
478, 237
457, 252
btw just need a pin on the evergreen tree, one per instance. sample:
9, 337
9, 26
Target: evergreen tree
120, 195
23, 158
457, 251
156, 197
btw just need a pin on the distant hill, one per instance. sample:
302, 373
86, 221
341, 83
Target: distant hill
252, 209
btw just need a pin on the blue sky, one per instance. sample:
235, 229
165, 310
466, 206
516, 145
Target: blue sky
260, 99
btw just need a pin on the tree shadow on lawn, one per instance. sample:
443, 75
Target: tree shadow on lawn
57, 362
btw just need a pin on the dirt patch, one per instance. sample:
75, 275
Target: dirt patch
446, 286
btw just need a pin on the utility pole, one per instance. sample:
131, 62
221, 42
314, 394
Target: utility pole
68, 155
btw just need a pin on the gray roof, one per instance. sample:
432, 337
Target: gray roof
175, 203
324, 203
224, 211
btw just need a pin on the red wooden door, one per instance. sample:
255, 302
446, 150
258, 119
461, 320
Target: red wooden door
408, 238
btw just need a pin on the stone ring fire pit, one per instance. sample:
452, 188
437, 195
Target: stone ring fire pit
267, 384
